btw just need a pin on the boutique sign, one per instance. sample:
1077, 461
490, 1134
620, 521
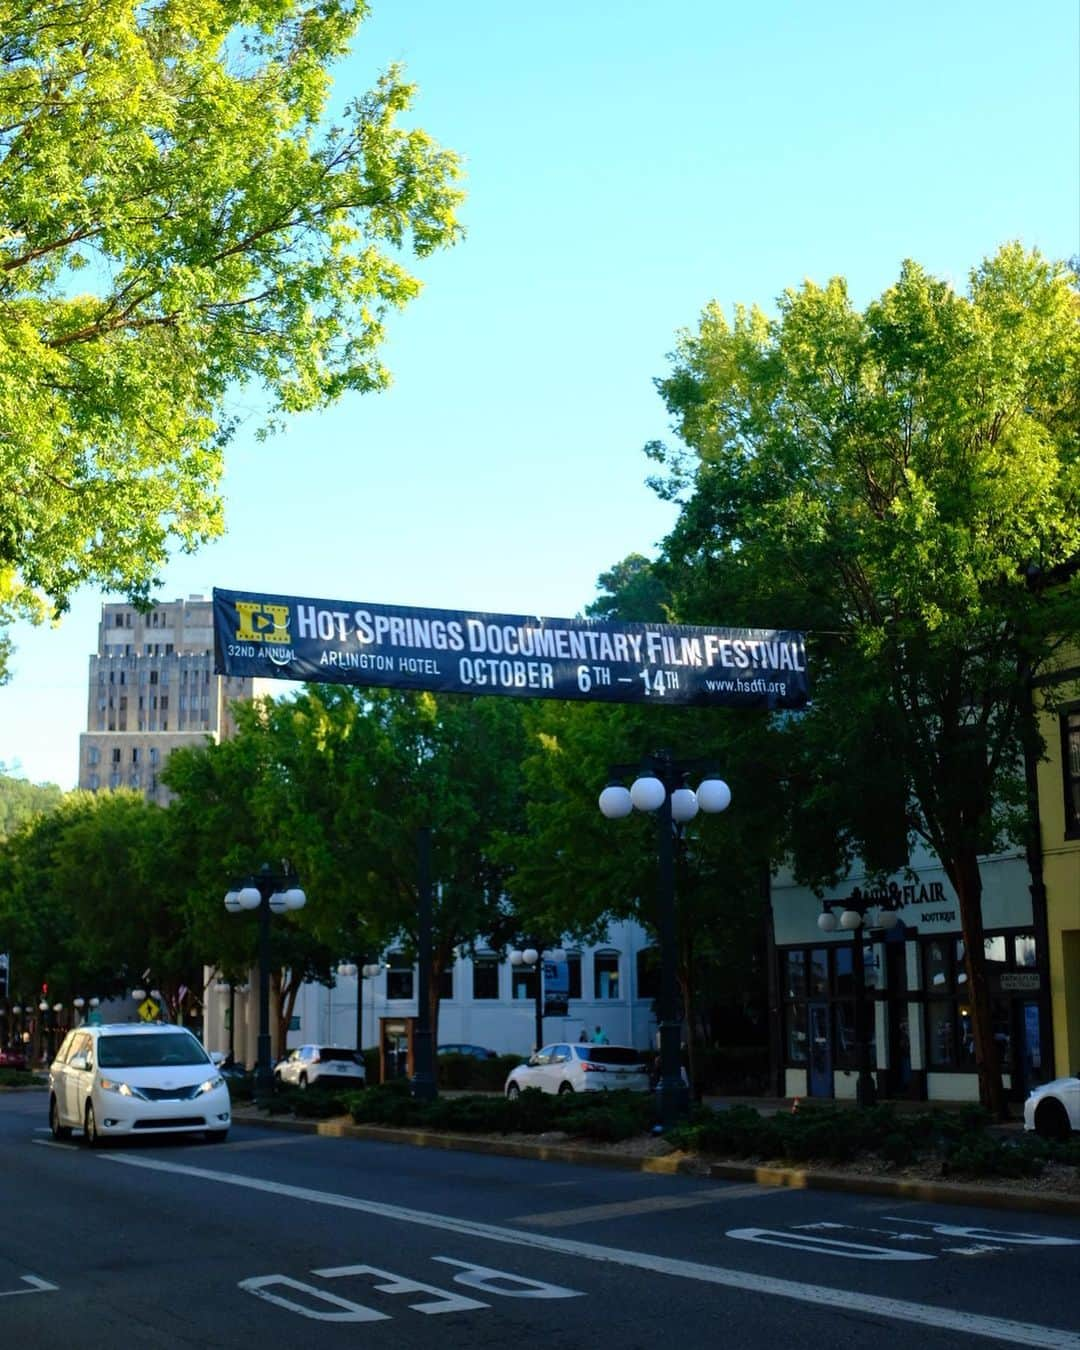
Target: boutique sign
456, 651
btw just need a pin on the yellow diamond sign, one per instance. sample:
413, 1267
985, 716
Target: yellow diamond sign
149, 1010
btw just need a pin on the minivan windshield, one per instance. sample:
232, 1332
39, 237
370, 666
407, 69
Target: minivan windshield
144, 1052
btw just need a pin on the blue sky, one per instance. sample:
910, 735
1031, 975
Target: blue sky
628, 161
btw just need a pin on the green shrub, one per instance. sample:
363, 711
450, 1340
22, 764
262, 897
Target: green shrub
19, 1078
983, 1156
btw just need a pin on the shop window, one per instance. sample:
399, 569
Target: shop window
795, 975
819, 973
937, 967
1024, 949
485, 977
606, 975
399, 978
994, 950
795, 1032
843, 966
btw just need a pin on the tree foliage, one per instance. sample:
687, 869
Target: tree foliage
176, 220
21, 801
905, 483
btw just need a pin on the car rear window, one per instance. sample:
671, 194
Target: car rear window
332, 1052
610, 1054
144, 1052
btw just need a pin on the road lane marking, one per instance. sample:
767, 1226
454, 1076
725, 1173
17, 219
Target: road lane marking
37, 1286
623, 1209
848, 1300
822, 1246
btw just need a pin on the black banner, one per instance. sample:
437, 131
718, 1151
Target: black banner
454, 651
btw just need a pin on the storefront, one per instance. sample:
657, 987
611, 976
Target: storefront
914, 985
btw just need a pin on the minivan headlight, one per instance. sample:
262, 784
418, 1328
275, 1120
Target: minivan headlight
210, 1085
114, 1085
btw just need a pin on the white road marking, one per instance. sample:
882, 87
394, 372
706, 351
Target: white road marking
988, 1234
849, 1300
822, 1246
37, 1286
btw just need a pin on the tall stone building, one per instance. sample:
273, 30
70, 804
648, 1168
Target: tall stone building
153, 688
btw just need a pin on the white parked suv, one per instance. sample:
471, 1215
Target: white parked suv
580, 1068
325, 1064
1053, 1110
128, 1078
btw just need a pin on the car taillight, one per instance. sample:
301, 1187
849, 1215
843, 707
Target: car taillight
594, 1068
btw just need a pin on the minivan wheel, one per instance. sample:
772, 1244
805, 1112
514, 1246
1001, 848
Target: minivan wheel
513, 1092
1051, 1120
58, 1131
90, 1130
564, 1088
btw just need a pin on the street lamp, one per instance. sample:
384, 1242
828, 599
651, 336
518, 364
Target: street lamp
533, 960
268, 892
350, 970
661, 786
853, 912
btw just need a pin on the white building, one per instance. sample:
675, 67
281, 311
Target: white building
486, 1001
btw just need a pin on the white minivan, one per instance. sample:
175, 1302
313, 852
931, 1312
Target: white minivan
132, 1079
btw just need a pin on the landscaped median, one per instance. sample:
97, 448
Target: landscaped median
954, 1156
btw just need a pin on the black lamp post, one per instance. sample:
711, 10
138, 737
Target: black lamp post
424, 1084
661, 787
268, 892
853, 912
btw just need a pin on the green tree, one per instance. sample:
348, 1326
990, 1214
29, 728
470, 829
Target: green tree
573, 870
90, 898
176, 221
902, 481
21, 801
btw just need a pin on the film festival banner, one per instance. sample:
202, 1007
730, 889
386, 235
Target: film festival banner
459, 652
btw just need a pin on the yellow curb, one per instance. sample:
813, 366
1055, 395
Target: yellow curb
678, 1163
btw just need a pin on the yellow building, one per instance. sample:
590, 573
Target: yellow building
1058, 779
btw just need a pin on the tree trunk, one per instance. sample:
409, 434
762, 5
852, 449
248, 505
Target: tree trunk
963, 872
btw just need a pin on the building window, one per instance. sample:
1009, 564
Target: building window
1070, 769
116, 754
648, 973
446, 983
523, 981
153, 677
485, 977
573, 971
399, 978
950, 1041
93, 782
606, 975
154, 754
93, 755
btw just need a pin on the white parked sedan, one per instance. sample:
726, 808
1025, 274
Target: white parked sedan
325, 1064
580, 1068
1053, 1109
127, 1079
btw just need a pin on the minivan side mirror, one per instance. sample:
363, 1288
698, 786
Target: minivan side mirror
79, 1061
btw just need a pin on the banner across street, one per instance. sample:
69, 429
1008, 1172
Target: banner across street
463, 652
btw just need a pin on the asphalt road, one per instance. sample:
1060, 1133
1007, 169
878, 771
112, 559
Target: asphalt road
300, 1241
